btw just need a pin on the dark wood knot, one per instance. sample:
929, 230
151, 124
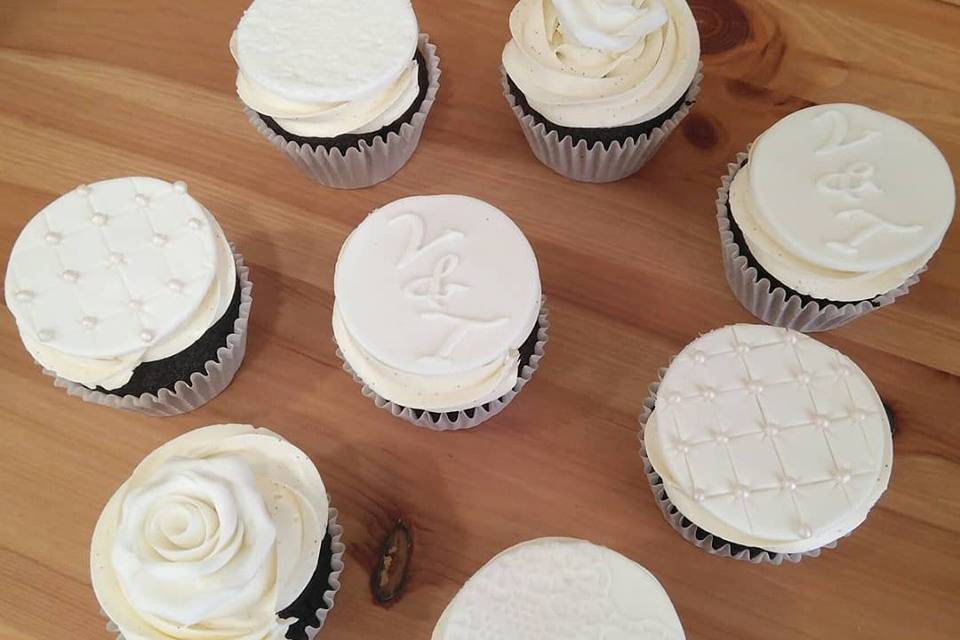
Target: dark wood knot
723, 25
700, 131
393, 564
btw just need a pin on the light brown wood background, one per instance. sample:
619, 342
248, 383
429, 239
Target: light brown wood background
93, 89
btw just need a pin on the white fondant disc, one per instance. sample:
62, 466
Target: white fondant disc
111, 268
560, 588
849, 188
326, 50
437, 285
770, 438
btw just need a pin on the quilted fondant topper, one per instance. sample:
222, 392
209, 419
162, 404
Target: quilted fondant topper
112, 268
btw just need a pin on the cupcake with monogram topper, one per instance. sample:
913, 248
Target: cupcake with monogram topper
598, 86
128, 293
438, 311
342, 89
834, 212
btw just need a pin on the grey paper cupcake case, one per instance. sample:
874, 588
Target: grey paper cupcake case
365, 164
480, 414
579, 161
338, 550
690, 531
202, 387
775, 305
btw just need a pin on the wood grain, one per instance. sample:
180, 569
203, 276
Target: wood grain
104, 88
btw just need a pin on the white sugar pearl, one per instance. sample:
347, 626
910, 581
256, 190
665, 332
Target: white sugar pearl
88, 322
804, 378
136, 305
722, 438
699, 496
83, 190
742, 492
859, 416
180, 186
791, 339
755, 388
116, 258
805, 532
141, 200
771, 430
683, 447
159, 239
790, 484
146, 335
674, 398
98, 219
822, 422
24, 295
708, 394
699, 357
175, 285
743, 349
194, 223
70, 275
53, 237
45, 335
843, 371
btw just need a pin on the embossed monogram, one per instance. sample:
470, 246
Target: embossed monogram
839, 132
855, 182
877, 225
434, 290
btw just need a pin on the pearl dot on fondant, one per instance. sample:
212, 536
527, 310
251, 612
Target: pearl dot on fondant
194, 223
146, 335
805, 532
45, 335
136, 305
83, 190
180, 186
822, 422
89, 322
699, 357
98, 219
53, 237
24, 295
699, 496
159, 239
175, 285
71, 276
141, 200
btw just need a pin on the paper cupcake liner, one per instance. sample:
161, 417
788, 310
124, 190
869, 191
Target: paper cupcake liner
202, 386
775, 305
337, 548
365, 164
480, 414
578, 161
688, 530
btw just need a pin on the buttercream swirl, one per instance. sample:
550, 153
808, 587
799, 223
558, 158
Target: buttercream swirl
602, 63
213, 534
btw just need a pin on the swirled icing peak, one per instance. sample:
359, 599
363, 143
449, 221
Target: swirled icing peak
610, 25
213, 534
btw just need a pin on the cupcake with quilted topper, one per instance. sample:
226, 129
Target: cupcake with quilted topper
764, 445
438, 310
560, 588
342, 89
128, 293
598, 85
223, 532
834, 213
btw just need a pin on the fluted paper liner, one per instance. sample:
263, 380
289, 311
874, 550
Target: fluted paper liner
775, 305
578, 161
480, 414
337, 548
365, 164
202, 387
690, 531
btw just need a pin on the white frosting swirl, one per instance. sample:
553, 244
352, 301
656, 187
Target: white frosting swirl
213, 534
113, 373
602, 63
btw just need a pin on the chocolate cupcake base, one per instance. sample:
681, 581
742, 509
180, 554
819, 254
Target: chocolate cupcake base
596, 155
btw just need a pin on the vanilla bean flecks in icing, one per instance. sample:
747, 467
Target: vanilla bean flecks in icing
602, 63
563, 589
770, 439
117, 273
212, 535
325, 68
434, 296
842, 202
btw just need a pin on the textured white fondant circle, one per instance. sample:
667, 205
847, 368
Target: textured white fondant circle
560, 588
326, 50
437, 285
770, 438
824, 176
78, 265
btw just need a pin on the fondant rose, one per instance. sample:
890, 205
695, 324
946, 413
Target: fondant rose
212, 536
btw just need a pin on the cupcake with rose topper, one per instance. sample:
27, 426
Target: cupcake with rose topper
834, 213
128, 293
223, 532
342, 89
764, 445
598, 86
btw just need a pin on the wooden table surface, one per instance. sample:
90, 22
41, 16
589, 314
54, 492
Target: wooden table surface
104, 88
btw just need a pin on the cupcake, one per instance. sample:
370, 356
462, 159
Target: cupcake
127, 292
342, 89
438, 310
224, 532
560, 588
597, 86
834, 213
765, 445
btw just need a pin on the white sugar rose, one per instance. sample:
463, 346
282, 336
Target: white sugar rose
213, 534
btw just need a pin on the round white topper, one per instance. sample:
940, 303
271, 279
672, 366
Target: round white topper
326, 50
769, 438
562, 589
852, 189
437, 285
112, 268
